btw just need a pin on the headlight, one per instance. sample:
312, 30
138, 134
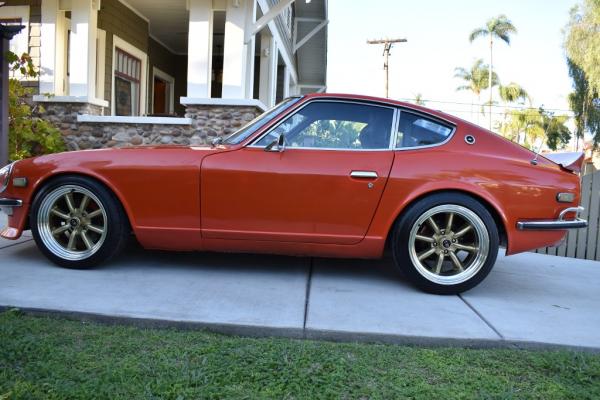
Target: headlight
5, 173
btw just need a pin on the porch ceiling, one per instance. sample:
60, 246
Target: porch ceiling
312, 56
168, 23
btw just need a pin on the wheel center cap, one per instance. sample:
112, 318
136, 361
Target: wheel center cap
446, 243
74, 222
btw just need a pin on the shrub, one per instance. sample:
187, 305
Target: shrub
29, 135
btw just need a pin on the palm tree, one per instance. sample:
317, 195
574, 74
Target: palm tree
513, 93
475, 80
498, 27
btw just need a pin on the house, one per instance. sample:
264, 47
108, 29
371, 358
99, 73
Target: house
116, 72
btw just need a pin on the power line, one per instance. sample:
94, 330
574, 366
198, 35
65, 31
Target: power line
484, 105
493, 113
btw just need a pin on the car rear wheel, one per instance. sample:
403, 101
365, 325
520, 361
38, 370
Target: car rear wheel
77, 223
446, 243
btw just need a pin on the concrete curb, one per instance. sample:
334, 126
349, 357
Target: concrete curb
299, 333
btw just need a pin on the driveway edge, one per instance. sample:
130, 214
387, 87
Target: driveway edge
300, 333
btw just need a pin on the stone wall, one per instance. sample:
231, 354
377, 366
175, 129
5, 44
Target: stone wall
208, 122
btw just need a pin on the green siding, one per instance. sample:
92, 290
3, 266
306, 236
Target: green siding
117, 19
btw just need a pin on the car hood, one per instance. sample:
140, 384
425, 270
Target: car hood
132, 156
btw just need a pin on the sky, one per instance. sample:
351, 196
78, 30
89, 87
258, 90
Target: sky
438, 42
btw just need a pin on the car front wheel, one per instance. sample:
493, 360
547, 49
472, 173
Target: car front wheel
78, 223
446, 243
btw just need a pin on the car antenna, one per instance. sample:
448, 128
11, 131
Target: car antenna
537, 153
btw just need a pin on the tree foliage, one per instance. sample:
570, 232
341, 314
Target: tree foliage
582, 40
29, 135
532, 126
557, 133
585, 103
418, 100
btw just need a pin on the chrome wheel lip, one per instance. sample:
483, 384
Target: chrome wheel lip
473, 267
45, 230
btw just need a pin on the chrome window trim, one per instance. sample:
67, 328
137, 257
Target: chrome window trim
395, 121
430, 117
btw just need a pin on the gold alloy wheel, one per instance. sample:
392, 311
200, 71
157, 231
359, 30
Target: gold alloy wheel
449, 244
72, 222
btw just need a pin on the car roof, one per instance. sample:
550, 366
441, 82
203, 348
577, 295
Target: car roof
381, 100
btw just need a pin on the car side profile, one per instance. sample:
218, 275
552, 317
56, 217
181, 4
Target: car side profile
319, 175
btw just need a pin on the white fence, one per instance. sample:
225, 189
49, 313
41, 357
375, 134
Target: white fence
583, 243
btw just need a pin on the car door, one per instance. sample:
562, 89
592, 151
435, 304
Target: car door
322, 186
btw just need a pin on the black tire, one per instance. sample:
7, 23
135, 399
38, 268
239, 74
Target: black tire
408, 227
115, 224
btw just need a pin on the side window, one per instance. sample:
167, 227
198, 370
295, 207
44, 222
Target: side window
336, 125
415, 130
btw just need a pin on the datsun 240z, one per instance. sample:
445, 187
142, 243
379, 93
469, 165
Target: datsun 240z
318, 175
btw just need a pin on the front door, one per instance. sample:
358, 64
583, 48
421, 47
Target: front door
323, 187
160, 96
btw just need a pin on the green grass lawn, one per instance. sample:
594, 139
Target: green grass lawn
51, 358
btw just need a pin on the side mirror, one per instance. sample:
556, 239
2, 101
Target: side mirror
277, 145
217, 141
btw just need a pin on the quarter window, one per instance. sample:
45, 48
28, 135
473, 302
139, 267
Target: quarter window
415, 130
336, 125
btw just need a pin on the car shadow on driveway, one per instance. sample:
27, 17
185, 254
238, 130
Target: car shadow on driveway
527, 298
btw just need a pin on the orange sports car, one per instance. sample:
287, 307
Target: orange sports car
318, 175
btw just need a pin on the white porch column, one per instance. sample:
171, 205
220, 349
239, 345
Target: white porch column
237, 56
286, 82
268, 69
250, 49
48, 79
82, 48
199, 49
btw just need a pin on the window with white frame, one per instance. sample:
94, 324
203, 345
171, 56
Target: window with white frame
128, 73
129, 79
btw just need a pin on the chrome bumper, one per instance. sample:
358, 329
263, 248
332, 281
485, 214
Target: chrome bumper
6, 205
558, 224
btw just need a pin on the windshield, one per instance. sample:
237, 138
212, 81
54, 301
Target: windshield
260, 121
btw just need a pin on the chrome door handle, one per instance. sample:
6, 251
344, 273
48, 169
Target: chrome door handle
364, 174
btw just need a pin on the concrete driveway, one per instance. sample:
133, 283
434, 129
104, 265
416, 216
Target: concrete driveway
528, 299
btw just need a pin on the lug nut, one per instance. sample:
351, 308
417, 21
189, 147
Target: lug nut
445, 251
453, 240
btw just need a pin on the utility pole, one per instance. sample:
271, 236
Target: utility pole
387, 48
